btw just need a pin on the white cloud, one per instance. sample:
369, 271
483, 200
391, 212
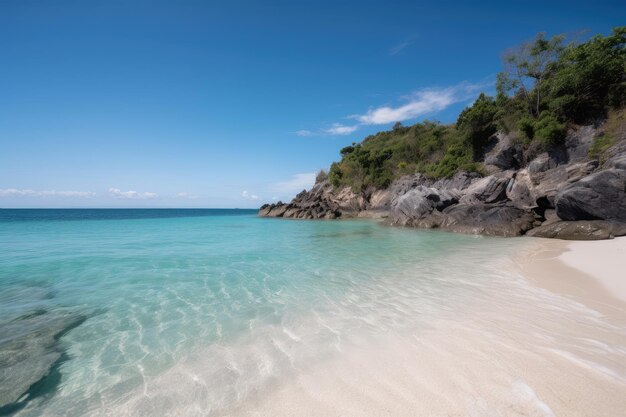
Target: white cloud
249, 196
303, 132
10, 192
339, 129
420, 103
186, 195
297, 183
131, 195
396, 49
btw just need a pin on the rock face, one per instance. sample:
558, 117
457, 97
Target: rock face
599, 196
321, 202
505, 154
419, 203
500, 219
561, 194
580, 230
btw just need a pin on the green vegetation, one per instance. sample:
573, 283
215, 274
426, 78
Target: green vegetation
613, 128
546, 87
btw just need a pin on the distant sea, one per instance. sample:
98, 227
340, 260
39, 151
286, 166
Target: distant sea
151, 312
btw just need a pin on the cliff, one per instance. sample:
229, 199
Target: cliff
545, 157
566, 193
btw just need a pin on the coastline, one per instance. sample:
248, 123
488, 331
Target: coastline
587, 271
496, 369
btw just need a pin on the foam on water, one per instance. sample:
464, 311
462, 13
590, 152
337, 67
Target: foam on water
205, 315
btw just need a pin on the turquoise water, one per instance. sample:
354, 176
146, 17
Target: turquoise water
157, 310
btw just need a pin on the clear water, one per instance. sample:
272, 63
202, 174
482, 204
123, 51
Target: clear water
161, 311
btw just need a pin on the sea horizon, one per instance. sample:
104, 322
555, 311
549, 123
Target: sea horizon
307, 209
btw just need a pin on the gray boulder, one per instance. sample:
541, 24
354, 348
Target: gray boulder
580, 230
546, 185
578, 142
599, 196
418, 203
502, 219
518, 190
506, 154
489, 189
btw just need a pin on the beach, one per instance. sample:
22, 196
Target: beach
483, 367
223, 313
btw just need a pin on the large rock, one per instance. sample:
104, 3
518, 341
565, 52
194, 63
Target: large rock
546, 184
518, 190
501, 219
459, 182
420, 202
615, 156
380, 199
321, 202
580, 230
29, 351
489, 189
599, 196
505, 154
546, 161
578, 142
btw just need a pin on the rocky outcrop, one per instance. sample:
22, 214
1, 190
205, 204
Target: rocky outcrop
561, 194
580, 230
419, 203
599, 196
500, 219
321, 202
505, 154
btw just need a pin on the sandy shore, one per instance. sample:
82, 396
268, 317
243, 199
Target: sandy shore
591, 272
564, 354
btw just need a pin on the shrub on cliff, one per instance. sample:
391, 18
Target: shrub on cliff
546, 86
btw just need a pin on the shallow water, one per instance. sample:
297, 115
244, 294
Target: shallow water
161, 312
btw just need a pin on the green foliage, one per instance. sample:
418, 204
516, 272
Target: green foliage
549, 131
588, 78
529, 63
526, 126
545, 87
478, 121
321, 176
335, 175
600, 144
614, 127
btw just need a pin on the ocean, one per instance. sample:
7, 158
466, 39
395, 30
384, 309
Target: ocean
205, 312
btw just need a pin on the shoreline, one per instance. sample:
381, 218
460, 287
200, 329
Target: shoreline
484, 363
586, 271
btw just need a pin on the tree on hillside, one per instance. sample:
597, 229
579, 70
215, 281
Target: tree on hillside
588, 78
530, 62
478, 121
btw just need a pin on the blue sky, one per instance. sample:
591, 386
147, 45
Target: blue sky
232, 103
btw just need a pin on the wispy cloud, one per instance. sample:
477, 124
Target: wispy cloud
339, 129
249, 196
187, 195
303, 132
131, 195
295, 184
396, 49
11, 192
420, 103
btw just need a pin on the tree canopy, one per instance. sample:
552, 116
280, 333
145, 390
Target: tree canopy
547, 85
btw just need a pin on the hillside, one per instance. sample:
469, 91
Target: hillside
558, 117
545, 89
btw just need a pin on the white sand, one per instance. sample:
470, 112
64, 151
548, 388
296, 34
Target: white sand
603, 260
562, 355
